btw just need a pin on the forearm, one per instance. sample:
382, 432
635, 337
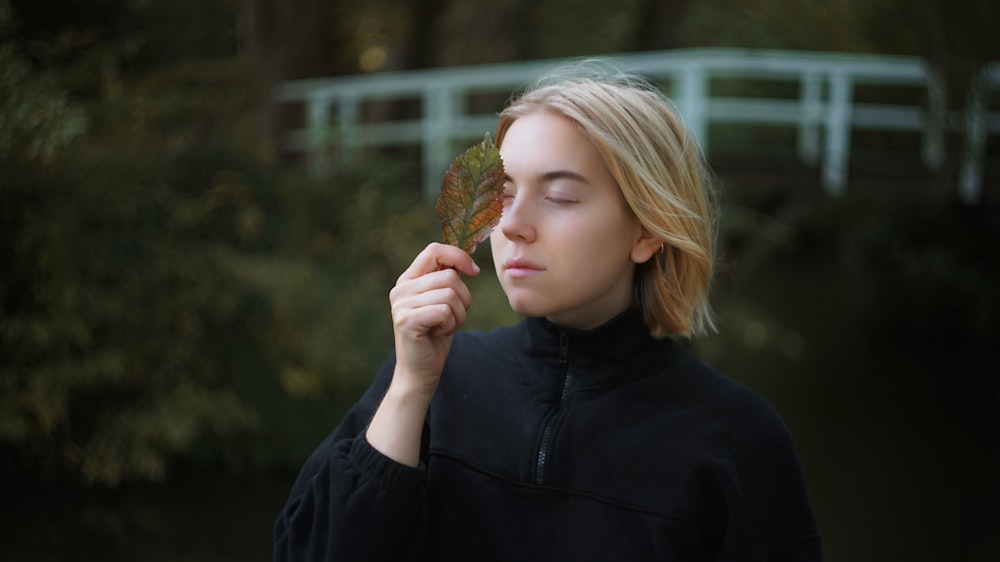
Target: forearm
428, 303
395, 429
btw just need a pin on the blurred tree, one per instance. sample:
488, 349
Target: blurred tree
121, 318
108, 321
167, 293
38, 118
659, 24
818, 25
300, 38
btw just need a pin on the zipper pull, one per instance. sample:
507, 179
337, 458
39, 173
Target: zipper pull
563, 347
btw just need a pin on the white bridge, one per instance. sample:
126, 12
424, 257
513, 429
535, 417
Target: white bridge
823, 111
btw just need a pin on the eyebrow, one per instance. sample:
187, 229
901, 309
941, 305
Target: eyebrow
558, 175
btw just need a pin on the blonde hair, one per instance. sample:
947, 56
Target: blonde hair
662, 177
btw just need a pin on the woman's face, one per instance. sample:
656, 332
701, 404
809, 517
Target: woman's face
567, 244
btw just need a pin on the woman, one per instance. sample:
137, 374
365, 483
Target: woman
585, 432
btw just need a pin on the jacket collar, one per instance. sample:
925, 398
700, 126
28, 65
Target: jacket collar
619, 350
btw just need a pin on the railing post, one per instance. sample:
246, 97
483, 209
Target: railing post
348, 116
810, 92
318, 126
692, 99
971, 178
935, 120
836, 155
440, 106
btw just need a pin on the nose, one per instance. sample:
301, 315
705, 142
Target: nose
516, 221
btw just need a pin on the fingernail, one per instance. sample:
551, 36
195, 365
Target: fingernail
475, 267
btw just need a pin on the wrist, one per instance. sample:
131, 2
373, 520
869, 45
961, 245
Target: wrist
408, 400
406, 387
395, 429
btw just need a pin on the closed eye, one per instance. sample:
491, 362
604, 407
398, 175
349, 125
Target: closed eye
560, 201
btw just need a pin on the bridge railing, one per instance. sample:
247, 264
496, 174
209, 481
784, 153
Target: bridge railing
824, 112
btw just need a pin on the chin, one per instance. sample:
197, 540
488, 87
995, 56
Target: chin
527, 308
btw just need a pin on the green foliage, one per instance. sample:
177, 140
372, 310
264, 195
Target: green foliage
773, 24
111, 314
169, 296
36, 119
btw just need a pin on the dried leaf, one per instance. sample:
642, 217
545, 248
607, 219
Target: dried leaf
471, 198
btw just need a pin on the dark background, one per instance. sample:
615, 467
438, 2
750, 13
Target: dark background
184, 314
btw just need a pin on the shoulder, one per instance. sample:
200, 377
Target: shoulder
480, 345
730, 411
479, 359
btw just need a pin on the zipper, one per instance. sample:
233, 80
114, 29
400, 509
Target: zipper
551, 420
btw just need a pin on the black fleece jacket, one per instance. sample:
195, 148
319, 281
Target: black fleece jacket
544, 443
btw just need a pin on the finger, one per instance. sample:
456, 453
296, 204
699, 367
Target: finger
435, 320
424, 311
443, 279
438, 256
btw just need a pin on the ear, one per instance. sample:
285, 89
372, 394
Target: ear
645, 247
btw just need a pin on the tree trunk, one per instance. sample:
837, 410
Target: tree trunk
657, 22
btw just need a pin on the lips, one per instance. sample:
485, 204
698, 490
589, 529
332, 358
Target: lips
521, 264
519, 268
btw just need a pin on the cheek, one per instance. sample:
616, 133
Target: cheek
609, 234
608, 247
496, 246
496, 240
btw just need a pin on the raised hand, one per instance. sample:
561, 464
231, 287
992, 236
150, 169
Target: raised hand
429, 303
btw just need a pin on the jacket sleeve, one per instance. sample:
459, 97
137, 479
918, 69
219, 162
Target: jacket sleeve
795, 537
349, 501
768, 511
793, 533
